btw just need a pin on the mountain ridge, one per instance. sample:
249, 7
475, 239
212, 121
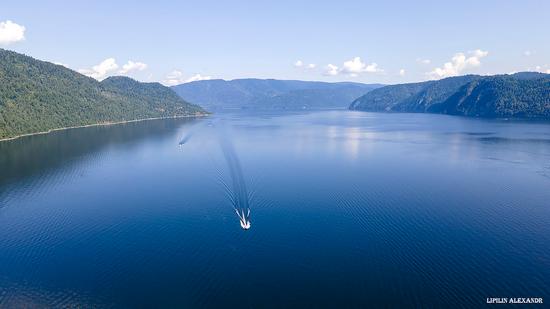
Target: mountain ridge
38, 96
521, 95
254, 93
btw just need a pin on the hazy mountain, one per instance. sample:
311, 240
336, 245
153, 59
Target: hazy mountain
525, 94
271, 94
37, 96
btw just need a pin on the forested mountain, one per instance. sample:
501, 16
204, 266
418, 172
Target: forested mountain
37, 96
500, 96
521, 95
413, 97
271, 94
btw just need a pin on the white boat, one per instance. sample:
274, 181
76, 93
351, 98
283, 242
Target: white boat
243, 219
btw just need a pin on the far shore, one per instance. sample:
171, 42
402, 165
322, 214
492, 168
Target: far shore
103, 124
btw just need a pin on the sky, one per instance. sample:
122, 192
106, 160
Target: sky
386, 42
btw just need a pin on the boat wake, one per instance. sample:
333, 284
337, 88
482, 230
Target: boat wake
191, 131
238, 192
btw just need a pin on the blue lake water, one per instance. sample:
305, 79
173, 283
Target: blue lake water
347, 210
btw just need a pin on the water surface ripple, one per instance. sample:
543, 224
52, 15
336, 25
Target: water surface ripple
350, 210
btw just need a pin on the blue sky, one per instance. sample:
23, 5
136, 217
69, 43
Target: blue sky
383, 41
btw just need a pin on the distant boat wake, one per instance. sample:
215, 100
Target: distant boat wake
192, 130
237, 192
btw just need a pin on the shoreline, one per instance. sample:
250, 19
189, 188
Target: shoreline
99, 125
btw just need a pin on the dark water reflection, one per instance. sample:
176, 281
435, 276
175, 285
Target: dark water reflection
349, 210
33, 155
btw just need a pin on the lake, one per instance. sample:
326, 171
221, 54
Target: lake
347, 210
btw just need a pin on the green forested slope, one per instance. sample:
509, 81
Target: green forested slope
37, 96
520, 95
500, 96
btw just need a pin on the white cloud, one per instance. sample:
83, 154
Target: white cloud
197, 77
527, 53
11, 32
63, 64
356, 66
373, 68
301, 64
109, 67
458, 64
478, 53
102, 70
423, 61
542, 69
402, 72
353, 68
133, 66
176, 77
331, 70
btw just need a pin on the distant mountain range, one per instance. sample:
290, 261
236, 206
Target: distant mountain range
520, 95
269, 94
37, 96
